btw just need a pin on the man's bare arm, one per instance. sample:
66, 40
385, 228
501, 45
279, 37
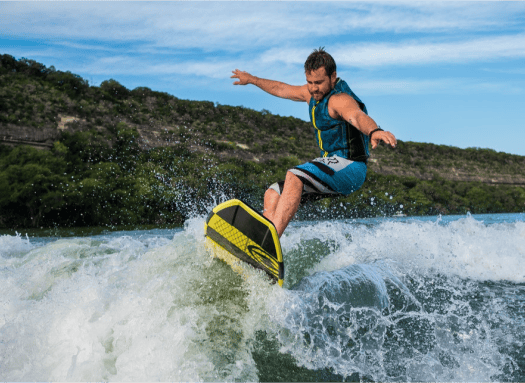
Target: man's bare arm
275, 88
344, 107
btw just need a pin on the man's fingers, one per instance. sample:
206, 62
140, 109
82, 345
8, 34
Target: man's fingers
387, 137
240, 75
387, 140
391, 139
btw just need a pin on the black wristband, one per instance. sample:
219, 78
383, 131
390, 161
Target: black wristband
373, 131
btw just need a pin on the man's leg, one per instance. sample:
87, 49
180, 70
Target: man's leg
271, 199
280, 209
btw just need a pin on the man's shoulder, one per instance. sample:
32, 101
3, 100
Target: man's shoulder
339, 102
342, 86
304, 94
343, 89
340, 97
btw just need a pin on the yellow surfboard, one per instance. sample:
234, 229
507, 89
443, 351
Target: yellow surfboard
246, 234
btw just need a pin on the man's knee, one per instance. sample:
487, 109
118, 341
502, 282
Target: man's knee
292, 179
277, 187
271, 193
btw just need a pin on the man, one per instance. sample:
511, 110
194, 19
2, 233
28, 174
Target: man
343, 131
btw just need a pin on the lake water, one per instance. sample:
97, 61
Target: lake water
383, 299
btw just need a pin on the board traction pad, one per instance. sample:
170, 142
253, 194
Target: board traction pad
246, 234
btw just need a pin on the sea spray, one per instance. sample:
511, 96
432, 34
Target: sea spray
13, 246
415, 342
465, 247
378, 299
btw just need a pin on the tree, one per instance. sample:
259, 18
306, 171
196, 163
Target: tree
115, 89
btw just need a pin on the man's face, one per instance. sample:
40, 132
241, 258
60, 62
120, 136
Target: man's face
319, 84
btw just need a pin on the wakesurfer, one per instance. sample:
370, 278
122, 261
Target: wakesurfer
343, 132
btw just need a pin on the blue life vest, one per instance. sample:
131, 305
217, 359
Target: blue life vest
337, 137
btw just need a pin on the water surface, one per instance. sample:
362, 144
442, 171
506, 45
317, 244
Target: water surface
397, 299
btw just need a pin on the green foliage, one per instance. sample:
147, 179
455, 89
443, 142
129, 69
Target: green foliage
73, 85
102, 171
30, 181
386, 195
114, 89
448, 160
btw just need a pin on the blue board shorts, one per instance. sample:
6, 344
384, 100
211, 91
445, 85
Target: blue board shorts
327, 177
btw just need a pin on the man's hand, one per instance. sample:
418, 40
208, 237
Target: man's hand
384, 136
244, 77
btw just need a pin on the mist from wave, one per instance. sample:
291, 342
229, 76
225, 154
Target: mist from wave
380, 299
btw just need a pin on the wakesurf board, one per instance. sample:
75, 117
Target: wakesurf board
246, 234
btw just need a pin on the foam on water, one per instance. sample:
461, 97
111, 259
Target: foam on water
387, 300
119, 309
12, 246
441, 320
466, 247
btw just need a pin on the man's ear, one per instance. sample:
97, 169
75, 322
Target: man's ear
333, 78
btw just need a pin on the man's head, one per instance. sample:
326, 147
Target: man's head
321, 75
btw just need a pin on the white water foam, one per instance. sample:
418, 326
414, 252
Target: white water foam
451, 342
465, 247
125, 308
12, 246
121, 310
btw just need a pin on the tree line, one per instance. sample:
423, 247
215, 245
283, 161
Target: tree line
104, 170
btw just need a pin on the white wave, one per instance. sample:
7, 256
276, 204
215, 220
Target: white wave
143, 307
115, 309
466, 247
13, 246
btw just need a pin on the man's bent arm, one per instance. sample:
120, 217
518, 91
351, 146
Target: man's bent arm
346, 108
275, 88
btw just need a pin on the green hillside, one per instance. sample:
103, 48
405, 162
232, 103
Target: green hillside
72, 154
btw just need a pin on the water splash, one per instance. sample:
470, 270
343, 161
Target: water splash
372, 300
14, 246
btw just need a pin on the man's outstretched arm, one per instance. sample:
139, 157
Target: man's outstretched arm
275, 88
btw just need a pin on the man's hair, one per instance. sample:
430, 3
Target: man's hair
319, 58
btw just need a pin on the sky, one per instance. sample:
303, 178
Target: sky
448, 73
